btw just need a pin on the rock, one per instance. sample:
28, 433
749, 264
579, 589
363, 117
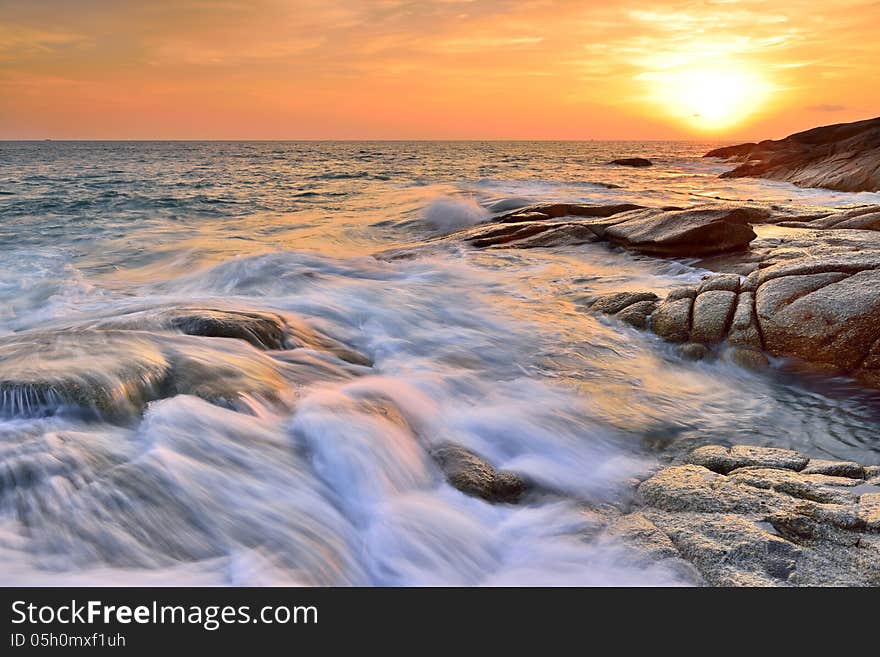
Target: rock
611, 304
111, 373
263, 330
725, 282
632, 162
864, 218
761, 519
694, 351
813, 487
638, 314
869, 511
560, 210
728, 549
115, 373
835, 468
845, 157
748, 358
672, 320
725, 459
712, 313
685, 292
692, 232
531, 235
744, 331
823, 310
473, 476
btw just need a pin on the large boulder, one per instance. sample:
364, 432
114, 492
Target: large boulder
844, 157
691, 232
823, 310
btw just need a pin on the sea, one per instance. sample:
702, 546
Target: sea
318, 469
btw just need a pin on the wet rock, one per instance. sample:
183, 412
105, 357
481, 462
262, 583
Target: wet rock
112, 373
632, 162
817, 311
638, 314
261, 329
744, 331
712, 313
611, 304
865, 218
845, 157
694, 351
747, 357
672, 320
222, 373
473, 476
725, 459
692, 232
560, 210
531, 235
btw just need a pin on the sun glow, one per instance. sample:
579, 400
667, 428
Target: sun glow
709, 99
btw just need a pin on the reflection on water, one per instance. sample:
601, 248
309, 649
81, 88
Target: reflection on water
134, 454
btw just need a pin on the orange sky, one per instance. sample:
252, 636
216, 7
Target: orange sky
398, 69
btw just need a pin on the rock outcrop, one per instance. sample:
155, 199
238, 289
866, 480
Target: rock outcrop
754, 516
824, 310
845, 157
690, 232
860, 218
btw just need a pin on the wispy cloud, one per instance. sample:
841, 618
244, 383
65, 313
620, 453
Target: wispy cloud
576, 68
824, 107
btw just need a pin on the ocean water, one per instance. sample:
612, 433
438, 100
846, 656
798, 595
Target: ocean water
311, 464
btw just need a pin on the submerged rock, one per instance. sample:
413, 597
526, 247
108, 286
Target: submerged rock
473, 476
755, 516
632, 162
262, 329
114, 373
111, 373
845, 157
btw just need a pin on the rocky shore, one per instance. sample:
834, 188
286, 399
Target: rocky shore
845, 157
806, 290
797, 285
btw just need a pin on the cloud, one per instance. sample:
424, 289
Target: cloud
827, 108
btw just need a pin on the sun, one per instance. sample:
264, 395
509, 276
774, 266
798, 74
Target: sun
708, 99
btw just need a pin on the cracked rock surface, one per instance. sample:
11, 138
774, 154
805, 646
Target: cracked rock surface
756, 516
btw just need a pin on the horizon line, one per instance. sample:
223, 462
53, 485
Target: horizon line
344, 140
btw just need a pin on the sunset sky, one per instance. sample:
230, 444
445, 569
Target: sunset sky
471, 69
